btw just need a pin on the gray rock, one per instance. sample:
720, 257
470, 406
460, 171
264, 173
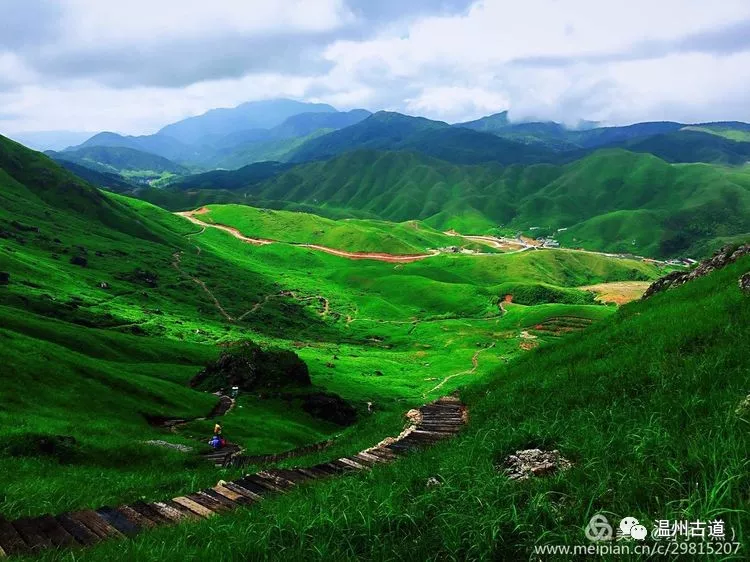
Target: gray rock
720, 259
534, 462
744, 283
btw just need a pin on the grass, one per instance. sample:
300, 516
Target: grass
93, 350
350, 235
646, 405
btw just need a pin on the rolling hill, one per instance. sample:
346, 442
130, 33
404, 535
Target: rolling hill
611, 200
118, 160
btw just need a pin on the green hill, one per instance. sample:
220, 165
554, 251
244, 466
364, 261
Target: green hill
119, 160
351, 235
650, 407
394, 131
690, 145
611, 200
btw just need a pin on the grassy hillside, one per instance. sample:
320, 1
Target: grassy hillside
649, 405
350, 235
695, 145
112, 305
612, 200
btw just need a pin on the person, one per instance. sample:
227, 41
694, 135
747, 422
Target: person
215, 442
217, 429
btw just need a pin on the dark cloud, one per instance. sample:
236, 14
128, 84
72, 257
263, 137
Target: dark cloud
726, 40
180, 63
26, 23
34, 34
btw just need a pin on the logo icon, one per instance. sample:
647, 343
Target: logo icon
598, 529
630, 527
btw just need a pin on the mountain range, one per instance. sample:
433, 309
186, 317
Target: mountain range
659, 188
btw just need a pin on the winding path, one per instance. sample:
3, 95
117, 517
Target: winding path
176, 264
377, 256
474, 366
430, 424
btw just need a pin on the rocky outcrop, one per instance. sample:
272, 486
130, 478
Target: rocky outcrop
722, 258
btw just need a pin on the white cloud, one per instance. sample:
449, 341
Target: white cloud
135, 66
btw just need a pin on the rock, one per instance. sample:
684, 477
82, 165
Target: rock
251, 368
330, 407
104, 285
433, 482
744, 283
4, 278
722, 258
744, 407
79, 260
534, 462
168, 445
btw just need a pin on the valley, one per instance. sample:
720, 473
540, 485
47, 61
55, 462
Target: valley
390, 283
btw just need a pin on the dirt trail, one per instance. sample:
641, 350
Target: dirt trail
326, 303
377, 256
176, 264
190, 215
474, 363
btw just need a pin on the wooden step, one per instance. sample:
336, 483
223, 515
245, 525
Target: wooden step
249, 494
230, 495
10, 541
253, 486
270, 485
209, 502
170, 511
374, 459
31, 534
55, 532
194, 507
80, 532
354, 464
118, 521
368, 463
212, 495
386, 454
150, 512
136, 518
96, 524
296, 476
275, 477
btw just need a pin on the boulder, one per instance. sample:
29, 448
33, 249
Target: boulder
744, 283
534, 462
251, 368
330, 407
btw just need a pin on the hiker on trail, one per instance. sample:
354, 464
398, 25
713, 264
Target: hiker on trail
215, 442
217, 429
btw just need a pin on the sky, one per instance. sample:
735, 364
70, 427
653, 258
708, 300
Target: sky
134, 66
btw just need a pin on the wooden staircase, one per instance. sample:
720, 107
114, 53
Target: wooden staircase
434, 422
